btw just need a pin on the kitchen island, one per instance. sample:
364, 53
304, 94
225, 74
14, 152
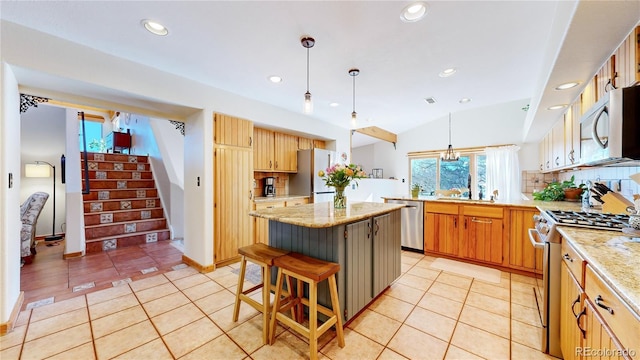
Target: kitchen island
364, 239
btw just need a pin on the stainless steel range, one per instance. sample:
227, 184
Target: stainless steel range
546, 237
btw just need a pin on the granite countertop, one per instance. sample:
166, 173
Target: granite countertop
542, 205
279, 198
613, 256
323, 215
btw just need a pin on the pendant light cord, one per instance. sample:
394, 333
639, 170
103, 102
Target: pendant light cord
449, 129
307, 69
354, 93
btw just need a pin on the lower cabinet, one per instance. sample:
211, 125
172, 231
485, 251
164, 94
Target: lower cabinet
261, 226
599, 342
522, 254
571, 328
372, 252
465, 231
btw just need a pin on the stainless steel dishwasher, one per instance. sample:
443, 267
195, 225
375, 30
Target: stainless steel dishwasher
412, 224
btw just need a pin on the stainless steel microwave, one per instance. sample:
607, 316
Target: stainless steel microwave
610, 130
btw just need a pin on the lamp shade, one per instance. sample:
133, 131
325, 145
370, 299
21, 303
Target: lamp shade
37, 170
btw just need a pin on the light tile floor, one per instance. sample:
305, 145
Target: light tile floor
425, 314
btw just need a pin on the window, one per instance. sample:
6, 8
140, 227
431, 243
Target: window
94, 132
433, 174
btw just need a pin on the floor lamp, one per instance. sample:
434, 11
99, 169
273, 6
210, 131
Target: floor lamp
41, 170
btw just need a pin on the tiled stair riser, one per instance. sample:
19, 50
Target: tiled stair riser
122, 208
124, 241
121, 216
120, 194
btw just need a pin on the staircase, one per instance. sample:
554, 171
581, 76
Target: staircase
123, 208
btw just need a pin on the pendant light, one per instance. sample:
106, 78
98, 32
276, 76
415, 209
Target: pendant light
354, 73
308, 43
449, 155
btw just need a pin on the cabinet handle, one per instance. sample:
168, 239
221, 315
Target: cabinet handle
584, 332
270, 207
547, 164
250, 141
377, 228
465, 223
567, 257
368, 230
250, 194
276, 164
572, 158
577, 300
481, 221
541, 167
455, 223
557, 160
599, 303
270, 164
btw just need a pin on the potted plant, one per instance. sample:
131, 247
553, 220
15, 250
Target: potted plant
556, 191
415, 190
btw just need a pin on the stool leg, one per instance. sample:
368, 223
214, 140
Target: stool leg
236, 308
300, 306
275, 309
335, 305
266, 292
313, 320
294, 316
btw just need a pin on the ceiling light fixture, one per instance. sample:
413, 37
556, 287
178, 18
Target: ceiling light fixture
430, 100
154, 27
275, 79
464, 100
449, 155
414, 12
308, 42
334, 104
447, 72
568, 85
354, 73
556, 107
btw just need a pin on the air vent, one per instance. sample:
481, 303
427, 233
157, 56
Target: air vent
430, 100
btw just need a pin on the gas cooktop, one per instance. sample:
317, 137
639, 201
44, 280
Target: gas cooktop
589, 220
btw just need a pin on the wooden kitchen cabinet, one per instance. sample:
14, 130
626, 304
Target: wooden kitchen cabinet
275, 152
522, 254
598, 336
441, 232
286, 153
557, 145
572, 135
264, 150
229, 130
233, 194
482, 238
305, 143
571, 323
319, 144
261, 226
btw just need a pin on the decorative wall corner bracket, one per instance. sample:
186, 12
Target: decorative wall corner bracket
27, 101
179, 126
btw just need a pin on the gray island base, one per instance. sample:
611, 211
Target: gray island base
364, 239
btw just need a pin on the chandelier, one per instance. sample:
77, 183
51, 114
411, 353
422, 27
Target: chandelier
449, 155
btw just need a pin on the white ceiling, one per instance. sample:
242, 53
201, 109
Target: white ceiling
503, 50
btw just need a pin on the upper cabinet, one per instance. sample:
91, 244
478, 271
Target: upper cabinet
264, 150
286, 153
229, 130
305, 143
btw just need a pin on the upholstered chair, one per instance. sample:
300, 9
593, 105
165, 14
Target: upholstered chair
29, 213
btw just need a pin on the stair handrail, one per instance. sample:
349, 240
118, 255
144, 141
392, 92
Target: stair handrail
85, 162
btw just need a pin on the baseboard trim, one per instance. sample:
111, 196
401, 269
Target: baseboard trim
201, 268
8, 326
72, 255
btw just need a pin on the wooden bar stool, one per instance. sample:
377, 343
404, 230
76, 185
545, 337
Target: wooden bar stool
262, 255
312, 271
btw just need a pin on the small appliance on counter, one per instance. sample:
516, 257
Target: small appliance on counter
269, 186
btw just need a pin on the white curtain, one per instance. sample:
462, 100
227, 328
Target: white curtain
503, 172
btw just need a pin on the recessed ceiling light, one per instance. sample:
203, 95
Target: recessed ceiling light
154, 27
556, 107
430, 100
334, 104
568, 85
447, 72
275, 79
464, 100
414, 12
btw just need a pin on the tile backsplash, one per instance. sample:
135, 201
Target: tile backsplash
616, 178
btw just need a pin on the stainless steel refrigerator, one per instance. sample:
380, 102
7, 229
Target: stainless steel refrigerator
307, 181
